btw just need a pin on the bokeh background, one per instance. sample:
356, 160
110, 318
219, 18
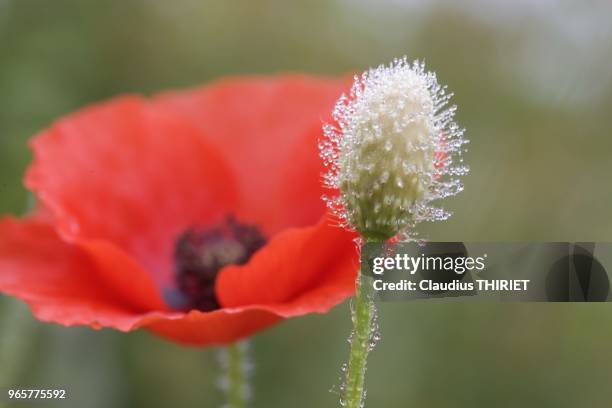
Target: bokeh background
534, 87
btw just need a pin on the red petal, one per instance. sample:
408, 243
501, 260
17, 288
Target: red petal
58, 280
299, 271
62, 284
213, 328
131, 175
269, 129
120, 190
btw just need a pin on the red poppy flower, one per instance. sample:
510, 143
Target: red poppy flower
196, 215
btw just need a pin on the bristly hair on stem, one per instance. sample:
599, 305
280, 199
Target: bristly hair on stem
237, 368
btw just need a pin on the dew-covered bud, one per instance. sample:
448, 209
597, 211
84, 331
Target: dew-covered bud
391, 151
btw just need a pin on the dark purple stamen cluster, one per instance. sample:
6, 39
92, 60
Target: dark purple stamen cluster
201, 253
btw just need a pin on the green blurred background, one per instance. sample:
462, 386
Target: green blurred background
533, 82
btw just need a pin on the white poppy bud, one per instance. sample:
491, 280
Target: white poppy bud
391, 151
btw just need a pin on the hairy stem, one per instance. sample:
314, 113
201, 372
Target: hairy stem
362, 340
236, 366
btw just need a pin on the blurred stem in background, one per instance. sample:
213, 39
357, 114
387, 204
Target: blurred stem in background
364, 337
236, 366
17, 331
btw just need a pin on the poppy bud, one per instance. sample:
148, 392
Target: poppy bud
391, 151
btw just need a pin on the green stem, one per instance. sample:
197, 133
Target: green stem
17, 331
364, 330
234, 361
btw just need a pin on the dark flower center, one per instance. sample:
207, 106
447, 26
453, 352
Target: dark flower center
201, 253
